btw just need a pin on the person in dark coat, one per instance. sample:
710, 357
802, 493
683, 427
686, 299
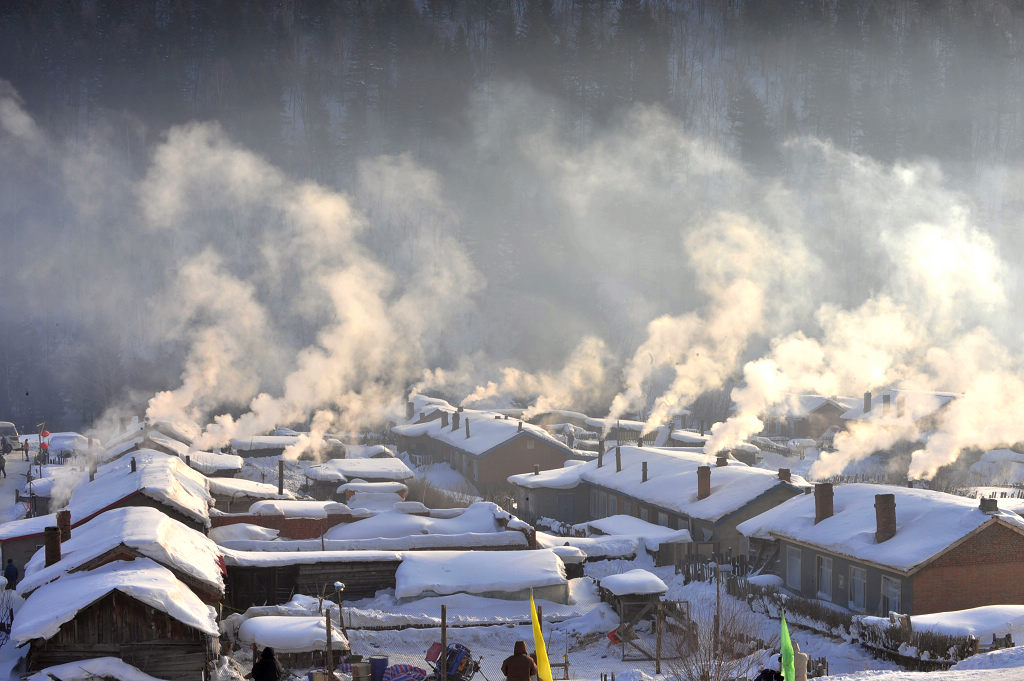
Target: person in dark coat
519, 666
11, 573
267, 668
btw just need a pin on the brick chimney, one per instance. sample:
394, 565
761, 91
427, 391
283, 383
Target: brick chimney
467, 427
133, 464
444, 419
51, 542
990, 506
410, 409
519, 428
886, 401
64, 524
785, 475
280, 477
722, 460
822, 501
885, 517
600, 456
703, 482
867, 402
618, 459
455, 419
702, 429
536, 469
643, 471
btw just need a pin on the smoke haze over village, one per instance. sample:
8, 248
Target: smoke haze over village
615, 208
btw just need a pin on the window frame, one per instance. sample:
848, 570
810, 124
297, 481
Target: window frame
793, 552
863, 580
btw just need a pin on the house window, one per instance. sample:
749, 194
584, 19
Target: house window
793, 568
627, 507
643, 513
858, 588
476, 471
825, 578
530, 443
890, 595
593, 503
663, 518
613, 505
602, 505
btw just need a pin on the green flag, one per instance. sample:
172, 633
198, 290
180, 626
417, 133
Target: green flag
788, 669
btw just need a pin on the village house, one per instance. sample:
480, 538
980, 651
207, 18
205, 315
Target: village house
275, 445
484, 446
146, 478
236, 495
325, 479
669, 487
805, 416
874, 549
126, 534
136, 611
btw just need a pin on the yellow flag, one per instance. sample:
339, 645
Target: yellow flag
543, 666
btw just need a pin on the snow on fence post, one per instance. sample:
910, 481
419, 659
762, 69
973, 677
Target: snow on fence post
442, 660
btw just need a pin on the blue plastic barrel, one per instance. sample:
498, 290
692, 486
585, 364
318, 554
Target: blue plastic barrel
377, 667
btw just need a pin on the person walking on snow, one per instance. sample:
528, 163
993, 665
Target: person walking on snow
24, 448
11, 573
519, 666
267, 668
3, 465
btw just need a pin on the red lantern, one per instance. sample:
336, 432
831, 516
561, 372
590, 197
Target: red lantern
45, 433
44, 446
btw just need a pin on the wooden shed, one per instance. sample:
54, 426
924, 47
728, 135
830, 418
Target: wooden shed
135, 611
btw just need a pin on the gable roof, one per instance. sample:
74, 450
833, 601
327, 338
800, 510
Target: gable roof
915, 403
927, 524
672, 480
343, 470
146, 531
488, 431
48, 608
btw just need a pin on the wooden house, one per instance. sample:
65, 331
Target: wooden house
873, 549
484, 446
326, 478
127, 534
805, 416
235, 495
135, 611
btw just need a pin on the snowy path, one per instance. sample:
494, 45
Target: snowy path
17, 467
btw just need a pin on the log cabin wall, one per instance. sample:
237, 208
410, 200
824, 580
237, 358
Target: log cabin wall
120, 626
276, 584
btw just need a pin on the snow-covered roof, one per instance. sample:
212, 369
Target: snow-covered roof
48, 608
298, 509
999, 466
256, 442
690, 438
927, 523
626, 524
917, 403
26, 527
89, 670
161, 477
141, 528
343, 470
237, 558
206, 463
367, 451
479, 517
376, 502
605, 546
799, 406
290, 634
181, 430
671, 482
361, 486
507, 539
238, 487
621, 424
634, 582
475, 572
242, 532
485, 432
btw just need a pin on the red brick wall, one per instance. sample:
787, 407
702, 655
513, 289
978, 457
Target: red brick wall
987, 569
516, 457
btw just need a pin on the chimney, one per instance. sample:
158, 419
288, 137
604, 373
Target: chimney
702, 428
867, 402
600, 457
467, 427
133, 464
784, 475
536, 469
703, 482
51, 542
886, 401
990, 506
280, 477
722, 460
885, 517
519, 429
643, 471
455, 419
410, 409
188, 460
618, 459
444, 419
640, 440
64, 524
822, 501
497, 417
